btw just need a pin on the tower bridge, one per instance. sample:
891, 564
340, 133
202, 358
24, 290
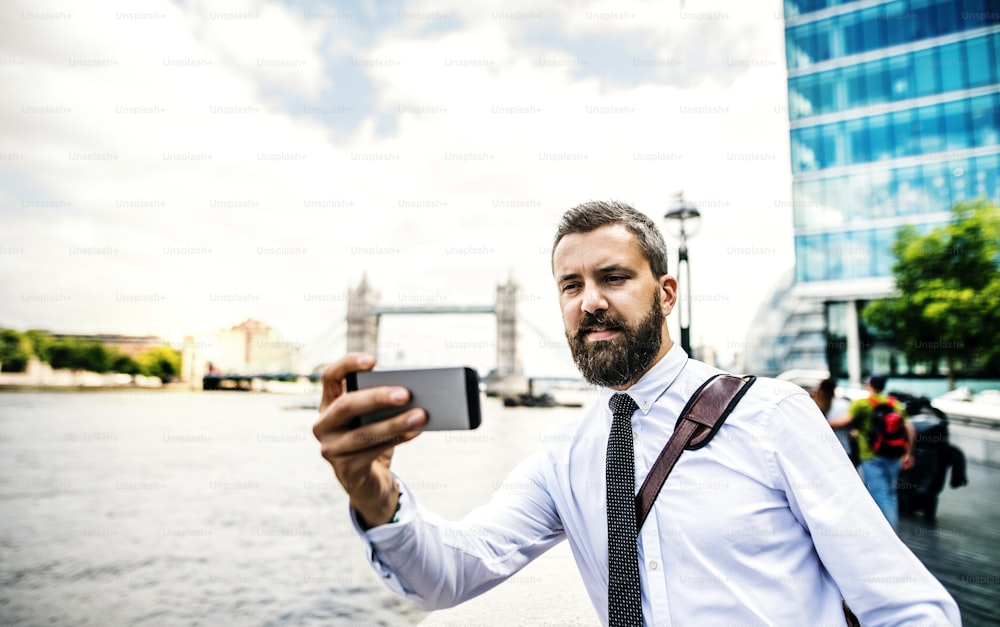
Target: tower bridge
364, 313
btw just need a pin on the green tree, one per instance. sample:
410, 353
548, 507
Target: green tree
15, 350
120, 362
40, 343
77, 354
160, 361
948, 284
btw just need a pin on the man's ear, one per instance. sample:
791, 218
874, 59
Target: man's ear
668, 293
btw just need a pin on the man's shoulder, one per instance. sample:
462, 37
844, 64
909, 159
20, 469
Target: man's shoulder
769, 389
764, 389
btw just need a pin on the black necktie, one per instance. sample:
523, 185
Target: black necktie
624, 593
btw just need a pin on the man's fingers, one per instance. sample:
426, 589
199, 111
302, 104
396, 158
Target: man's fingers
335, 373
345, 408
340, 441
356, 451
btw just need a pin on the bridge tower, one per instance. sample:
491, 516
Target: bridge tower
508, 363
362, 319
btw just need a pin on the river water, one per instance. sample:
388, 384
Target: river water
209, 508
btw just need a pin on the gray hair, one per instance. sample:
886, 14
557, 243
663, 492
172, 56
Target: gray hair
592, 215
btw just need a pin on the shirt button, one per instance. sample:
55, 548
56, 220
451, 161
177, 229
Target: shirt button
645, 405
653, 565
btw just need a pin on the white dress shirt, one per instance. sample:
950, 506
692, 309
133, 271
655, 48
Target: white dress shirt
767, 525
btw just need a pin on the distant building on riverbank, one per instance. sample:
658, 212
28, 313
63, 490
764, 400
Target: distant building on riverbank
253, 347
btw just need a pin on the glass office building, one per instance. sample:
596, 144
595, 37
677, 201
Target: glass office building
894, 112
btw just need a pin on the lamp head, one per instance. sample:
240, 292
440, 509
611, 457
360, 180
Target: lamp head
683, 219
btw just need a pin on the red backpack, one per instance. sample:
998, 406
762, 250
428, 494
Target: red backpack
887, 435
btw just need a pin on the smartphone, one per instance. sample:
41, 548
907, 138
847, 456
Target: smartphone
450, 396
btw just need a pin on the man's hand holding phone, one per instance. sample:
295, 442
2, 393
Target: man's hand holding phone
361, 456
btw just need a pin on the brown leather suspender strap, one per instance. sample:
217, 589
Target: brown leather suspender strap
699, 421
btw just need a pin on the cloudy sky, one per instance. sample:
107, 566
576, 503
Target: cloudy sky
173, 168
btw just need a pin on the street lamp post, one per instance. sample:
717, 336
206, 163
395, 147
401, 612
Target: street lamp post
681, 214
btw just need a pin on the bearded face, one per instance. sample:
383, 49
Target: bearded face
623, 357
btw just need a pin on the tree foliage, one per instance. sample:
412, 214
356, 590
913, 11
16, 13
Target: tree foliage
15, 349
948, 285
161, 361
78, 354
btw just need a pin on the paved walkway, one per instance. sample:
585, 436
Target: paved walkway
963, 548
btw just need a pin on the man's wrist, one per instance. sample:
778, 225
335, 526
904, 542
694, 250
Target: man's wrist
383, 513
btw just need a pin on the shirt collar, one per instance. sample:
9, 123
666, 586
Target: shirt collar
654, 383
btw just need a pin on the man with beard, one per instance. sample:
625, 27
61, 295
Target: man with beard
767, 524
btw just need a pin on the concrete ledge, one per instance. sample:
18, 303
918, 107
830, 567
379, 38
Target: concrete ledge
979, 445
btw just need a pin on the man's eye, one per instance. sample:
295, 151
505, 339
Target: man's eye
615, 278
569, 286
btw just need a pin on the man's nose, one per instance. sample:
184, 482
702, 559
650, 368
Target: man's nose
593, 300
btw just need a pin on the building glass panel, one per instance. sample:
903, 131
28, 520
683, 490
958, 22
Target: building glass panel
855, 196
853, 33
825, 94
931, 138
800, 97
811, 250
936, 183
983, 129
856, 253
905, 132
882, 256
834, 194
957, 125
923, 19
907, 185
806, 149
925, 66
982, 66
898, 22
988, 177
880, 137
946, 15
834, 145
836, 257
808, 197
852, 82
959, 180
873, 27
880, 203
876, 82
857, 135
901, 77
952, 66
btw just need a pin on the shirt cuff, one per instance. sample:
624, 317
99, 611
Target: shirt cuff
388, 535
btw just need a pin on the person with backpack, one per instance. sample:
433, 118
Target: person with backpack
885, 443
